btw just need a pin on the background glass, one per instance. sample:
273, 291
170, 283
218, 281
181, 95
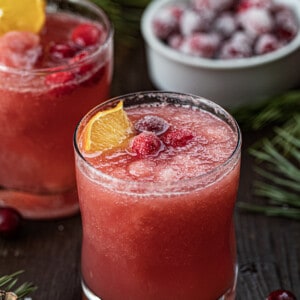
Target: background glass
37, 121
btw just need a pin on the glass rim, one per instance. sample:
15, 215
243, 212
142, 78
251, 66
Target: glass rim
233, 158
64, 67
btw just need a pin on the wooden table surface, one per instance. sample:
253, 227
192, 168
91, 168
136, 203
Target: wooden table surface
49, 251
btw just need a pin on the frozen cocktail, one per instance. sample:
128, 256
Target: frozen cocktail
157, 176
55, 64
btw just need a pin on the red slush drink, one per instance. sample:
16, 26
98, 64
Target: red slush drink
47, 82
157, 211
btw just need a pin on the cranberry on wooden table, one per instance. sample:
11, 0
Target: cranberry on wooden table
10, 221
281, 295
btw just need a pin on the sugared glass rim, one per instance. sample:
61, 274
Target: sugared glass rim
60, 68
159, 187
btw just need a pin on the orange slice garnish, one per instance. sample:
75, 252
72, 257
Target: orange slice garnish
107, 129
22, 15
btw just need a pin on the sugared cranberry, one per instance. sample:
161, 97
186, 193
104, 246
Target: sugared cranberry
201, 44
216, 5
177, 137
85, 67
166, 21
153, 124
239, 46
266, 43
256, 21
175, 41
226, 24
61, 82
87, 34
246, 4
281, 295
10, 222
286, 24
62, 51
207, 28
195, 21
146, 144
20, 49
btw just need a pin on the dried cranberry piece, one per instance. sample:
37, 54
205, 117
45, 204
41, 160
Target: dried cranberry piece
84, 67
61, 83
177, 137
281, 295
146, 144
10, 221
62, 51
86, 34
152, 123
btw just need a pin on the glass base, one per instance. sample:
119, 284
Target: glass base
87, 294
41, 206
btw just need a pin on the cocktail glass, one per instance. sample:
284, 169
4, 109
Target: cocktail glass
168, 239
40, 107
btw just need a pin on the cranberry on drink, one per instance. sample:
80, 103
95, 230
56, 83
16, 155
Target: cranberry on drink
281, 295
151, 123
86, 35
146, 144
62, 83
177, 137
62, 51
83, 67
10, 221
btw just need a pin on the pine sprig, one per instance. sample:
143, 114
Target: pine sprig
274, 111
125, 16
8, 285
280, 183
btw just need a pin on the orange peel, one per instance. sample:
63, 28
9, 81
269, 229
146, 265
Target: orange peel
107, 129
22, 15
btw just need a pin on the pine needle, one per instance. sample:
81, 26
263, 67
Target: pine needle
279, 185
125, 16
273, 111
8, 284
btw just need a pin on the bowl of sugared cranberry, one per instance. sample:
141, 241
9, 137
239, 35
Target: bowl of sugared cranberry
233, 52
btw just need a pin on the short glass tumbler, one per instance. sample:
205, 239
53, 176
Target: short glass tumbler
162, 239
40, 106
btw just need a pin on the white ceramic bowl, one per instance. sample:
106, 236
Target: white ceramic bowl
230, 83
